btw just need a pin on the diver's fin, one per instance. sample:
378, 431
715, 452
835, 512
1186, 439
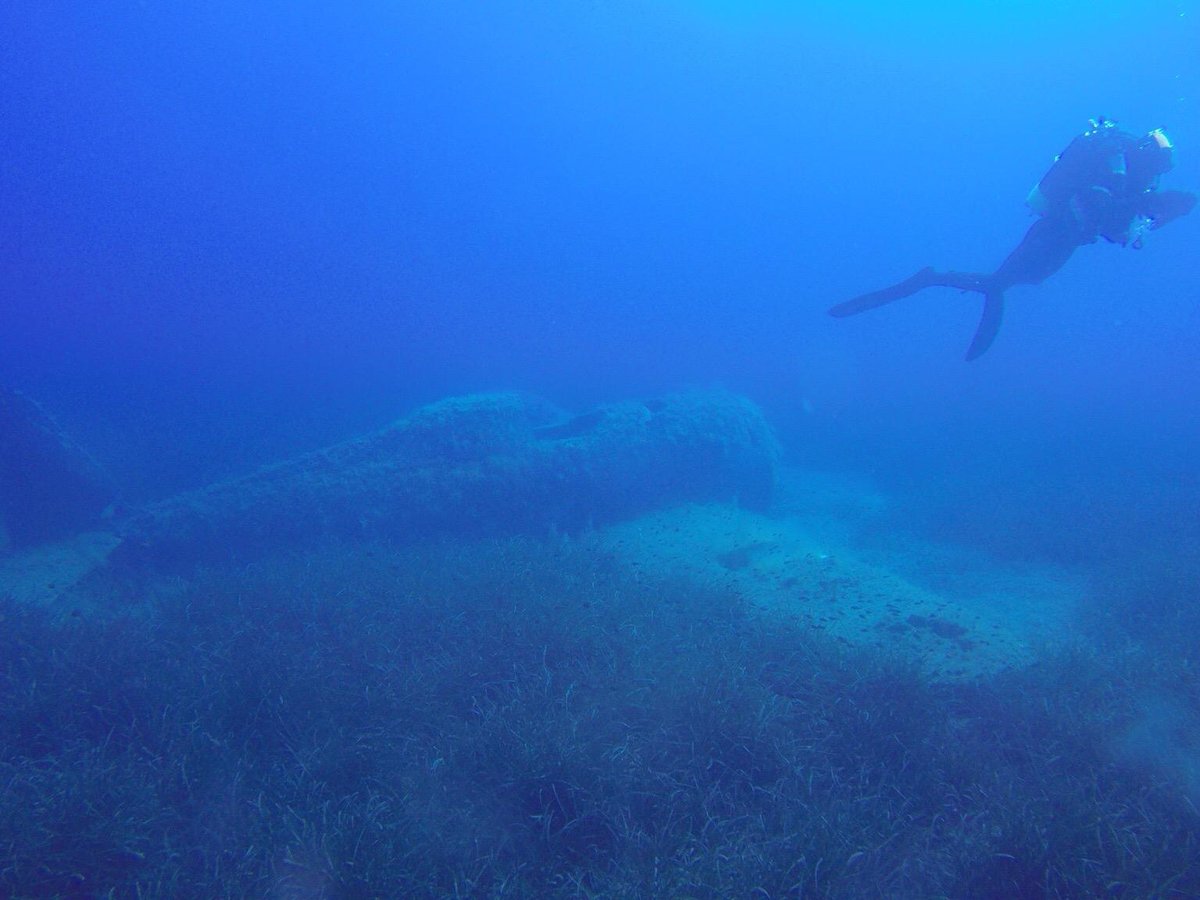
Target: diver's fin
989, 325
993, 301
923, 279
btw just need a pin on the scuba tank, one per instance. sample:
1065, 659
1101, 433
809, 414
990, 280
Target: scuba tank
1095, 158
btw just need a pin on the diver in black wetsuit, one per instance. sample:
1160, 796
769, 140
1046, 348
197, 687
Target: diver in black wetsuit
1104, 185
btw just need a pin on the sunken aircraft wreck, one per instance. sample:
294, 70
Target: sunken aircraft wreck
474, 465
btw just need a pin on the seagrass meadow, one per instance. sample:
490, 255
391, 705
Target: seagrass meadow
520, 717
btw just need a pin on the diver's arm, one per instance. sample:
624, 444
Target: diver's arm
1163, 207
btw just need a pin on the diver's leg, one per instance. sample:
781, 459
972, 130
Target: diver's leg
1045, 249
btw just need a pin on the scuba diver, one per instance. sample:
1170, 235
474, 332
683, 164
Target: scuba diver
1104, 185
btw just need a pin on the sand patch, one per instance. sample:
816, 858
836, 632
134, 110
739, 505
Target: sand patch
40, 575
806, 571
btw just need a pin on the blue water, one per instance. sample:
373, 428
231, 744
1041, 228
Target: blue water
232, 232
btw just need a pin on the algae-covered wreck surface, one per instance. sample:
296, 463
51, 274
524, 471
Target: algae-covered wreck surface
474, 465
